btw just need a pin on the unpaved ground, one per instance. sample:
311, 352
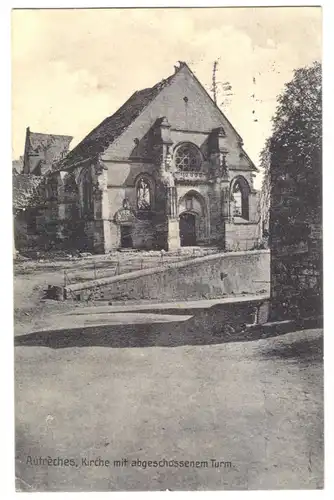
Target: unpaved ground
256, 404
32, 278
79, 395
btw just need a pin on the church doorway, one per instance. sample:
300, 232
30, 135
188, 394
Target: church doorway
126, 238
193, 219
187, 230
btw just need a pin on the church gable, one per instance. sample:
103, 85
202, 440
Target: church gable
192, 115
187, 107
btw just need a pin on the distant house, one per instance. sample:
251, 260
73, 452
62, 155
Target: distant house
42, 151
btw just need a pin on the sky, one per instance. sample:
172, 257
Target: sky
73, 68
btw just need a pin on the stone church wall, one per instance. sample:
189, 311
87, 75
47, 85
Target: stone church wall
143, 234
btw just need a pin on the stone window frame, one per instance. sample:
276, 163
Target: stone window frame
148, 183
188, 157
244, 188
51, 188
87, 193
70, 184
238, 202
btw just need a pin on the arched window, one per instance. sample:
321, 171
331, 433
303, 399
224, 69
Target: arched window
237, 199
144, 194
87, 193
52, 188
240, 198
188, 157
70, 186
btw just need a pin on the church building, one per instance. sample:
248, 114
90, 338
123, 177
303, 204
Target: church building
166, 170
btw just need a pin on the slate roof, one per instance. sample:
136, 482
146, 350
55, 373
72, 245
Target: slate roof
113, 126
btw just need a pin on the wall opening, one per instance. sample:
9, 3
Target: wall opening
126, 237
239, 197
87, 193
193, 219
187, 229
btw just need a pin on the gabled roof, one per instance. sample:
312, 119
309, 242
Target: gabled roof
37, 142
253, 167
111, 128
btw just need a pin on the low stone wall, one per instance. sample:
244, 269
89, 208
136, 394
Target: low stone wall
218, 275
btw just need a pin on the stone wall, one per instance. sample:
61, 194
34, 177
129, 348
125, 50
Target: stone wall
143, 234
241, 236
297, 277
296, 251
212, 276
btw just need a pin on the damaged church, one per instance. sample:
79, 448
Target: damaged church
166, 170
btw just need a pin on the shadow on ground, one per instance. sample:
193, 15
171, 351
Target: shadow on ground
219, 324
306, 350
207, 326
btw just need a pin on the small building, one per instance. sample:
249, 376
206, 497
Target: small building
166, 170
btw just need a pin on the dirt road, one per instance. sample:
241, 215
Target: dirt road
255, 404
115, 392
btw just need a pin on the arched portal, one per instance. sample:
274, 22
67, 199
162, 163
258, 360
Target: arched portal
193, 219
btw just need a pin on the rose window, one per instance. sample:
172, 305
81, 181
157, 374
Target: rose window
188, 158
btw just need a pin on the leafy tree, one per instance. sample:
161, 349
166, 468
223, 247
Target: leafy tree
264, 199
292, 157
